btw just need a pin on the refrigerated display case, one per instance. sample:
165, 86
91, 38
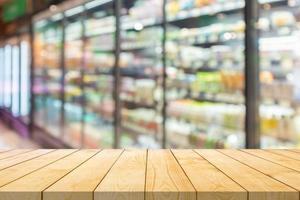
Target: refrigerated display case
47, 86
141, 73
279, 26
25, 93
2, 72
73, 95
7, 75
15, 80
205, 67
180, 78
98, 79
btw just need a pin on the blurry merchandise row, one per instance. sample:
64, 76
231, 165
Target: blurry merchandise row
74, 73
15, 77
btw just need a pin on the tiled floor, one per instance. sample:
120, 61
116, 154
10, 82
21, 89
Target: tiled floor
10, 139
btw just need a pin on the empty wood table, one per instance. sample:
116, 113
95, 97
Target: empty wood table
72, 174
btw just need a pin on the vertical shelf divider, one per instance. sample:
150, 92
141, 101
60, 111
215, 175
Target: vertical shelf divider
117, 76
252, 91
32, 77
63, 69
164, 62
82, 74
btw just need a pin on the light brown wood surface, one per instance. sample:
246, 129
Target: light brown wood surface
287, 153
5, 163
294, 150
149, 175
165, 179
126, 180
12, 153
31, 185
285, 175
81, 183
278, 159
258, 185
18, 171
208, 181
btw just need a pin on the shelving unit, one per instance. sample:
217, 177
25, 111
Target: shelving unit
205, 66
279, 52
167, 73
48, 75
98, 80
15, 81
141, 73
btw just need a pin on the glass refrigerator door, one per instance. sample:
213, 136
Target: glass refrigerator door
73, 110
280, 71
98, 79
15, 81
48, 75
141, 73
2, 72
7, 75
25, 79
205, 68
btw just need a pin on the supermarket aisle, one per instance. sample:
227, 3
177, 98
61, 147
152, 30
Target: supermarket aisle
10, 139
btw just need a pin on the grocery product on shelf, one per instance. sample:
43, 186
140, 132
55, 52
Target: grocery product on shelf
47, 86
141, 73
195, 118
204, 61
98, 79
279, 63
205, 67
73, 94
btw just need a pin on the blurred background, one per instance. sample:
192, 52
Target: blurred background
150, 73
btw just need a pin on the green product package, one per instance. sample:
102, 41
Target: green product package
14, 9
209, 82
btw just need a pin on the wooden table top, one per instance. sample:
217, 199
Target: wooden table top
149, 174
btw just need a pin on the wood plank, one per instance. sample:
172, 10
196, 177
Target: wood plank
258, 185
81, 183
165, 179
295, 150
13, 152
15, 172
32, 185
278, 159
290, 154
126, 179
4, 150
209, 182
8, 162
278, 172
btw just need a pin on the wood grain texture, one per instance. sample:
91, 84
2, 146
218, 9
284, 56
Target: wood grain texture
81, 183
278, 159
31, 186
149, 175
210, 183
289, 154
4, 150
17, 171
126, 179
165, 180
295, 150
285, 175
259, 185
13, 153
5, 163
